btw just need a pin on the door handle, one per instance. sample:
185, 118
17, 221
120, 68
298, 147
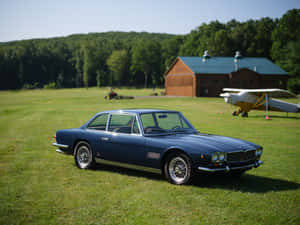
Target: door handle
104, 139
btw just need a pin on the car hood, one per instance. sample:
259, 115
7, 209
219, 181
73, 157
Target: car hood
207, 143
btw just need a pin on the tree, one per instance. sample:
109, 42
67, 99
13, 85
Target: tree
146, 59
86, 66
170, 49
117, 63
285, 37
262, 43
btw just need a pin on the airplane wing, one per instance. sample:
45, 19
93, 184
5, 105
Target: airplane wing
273, 93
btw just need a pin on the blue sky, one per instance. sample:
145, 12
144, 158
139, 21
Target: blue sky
26, 19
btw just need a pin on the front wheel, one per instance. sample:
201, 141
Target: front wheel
177, 168
83, 156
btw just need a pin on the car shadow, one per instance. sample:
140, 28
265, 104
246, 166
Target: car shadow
128, 172
245, 183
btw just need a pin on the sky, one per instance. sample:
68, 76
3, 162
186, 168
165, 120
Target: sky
27, 19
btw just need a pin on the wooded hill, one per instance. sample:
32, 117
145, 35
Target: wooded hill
140, 59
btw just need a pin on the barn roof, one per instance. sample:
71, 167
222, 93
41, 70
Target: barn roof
226, 65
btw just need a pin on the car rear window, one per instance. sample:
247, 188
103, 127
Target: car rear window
99, 123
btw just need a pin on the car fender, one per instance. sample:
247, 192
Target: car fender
173, 149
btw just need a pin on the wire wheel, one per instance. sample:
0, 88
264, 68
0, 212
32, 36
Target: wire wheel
83, 156
178, 169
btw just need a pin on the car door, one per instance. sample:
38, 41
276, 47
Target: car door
125, 143
97, 135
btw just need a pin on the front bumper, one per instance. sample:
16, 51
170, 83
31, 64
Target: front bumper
60, 147
228, 169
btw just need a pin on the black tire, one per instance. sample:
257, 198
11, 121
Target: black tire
83, 156
177, 168
244, 114
234, 113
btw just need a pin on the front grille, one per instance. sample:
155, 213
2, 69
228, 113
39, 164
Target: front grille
240, 156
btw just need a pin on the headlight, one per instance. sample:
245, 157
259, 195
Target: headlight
221, 156
214, 157
258, 152
218, 157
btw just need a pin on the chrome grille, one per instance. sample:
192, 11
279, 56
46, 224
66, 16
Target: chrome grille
240, 156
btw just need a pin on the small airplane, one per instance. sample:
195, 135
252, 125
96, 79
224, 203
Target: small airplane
259, 99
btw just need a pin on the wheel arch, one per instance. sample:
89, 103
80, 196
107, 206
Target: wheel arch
80, 140
170, 151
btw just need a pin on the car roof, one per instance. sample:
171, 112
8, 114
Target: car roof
137, 111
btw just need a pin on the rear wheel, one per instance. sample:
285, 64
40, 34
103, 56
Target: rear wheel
177, 168
83, 156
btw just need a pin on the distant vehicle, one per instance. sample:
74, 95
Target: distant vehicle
160, 141
259, 99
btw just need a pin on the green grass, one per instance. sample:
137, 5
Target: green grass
40, 186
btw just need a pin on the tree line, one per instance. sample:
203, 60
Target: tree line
140, 59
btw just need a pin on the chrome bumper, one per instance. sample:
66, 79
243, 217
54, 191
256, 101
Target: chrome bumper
227, 168
60, 146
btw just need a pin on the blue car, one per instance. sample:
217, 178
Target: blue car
160, 141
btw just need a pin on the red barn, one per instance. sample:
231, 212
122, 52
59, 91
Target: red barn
206, 76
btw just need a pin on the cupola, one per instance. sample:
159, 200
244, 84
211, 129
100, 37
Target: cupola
206, 56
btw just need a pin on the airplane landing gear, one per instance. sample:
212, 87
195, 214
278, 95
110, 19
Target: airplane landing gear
238, 112
235, 113
244, 114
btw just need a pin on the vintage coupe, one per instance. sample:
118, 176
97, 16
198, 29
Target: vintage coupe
161, 141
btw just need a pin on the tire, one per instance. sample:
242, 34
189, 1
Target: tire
83, 156
244, 114
177, 168
234, 113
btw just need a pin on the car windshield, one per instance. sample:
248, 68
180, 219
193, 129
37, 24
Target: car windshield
164, 122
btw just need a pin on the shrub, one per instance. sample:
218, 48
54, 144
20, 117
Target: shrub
51, 85
31, 86
294, 85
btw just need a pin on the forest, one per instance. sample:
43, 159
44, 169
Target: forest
141, 59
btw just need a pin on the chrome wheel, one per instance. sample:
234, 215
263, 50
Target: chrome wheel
83, 156
177, 168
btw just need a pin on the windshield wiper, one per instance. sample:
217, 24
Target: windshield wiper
178, 130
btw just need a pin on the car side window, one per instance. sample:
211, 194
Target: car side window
135, 127
99, 123
121, 123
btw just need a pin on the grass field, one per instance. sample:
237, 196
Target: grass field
40, 186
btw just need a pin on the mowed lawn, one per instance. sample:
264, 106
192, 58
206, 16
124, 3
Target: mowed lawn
40, 186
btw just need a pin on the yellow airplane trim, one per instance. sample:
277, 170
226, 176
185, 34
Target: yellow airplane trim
246, 106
